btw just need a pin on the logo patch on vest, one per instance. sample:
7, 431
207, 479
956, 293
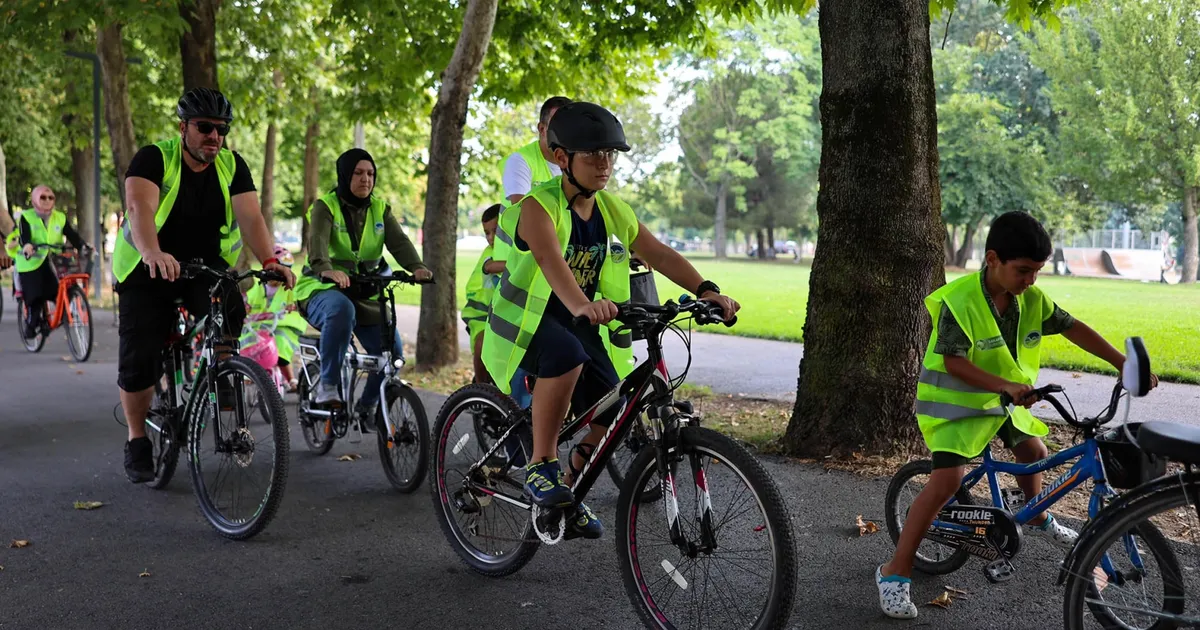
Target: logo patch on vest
379, 227
619, 254
989, 344
1032, 339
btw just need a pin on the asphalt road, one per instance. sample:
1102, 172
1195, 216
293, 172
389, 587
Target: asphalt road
345, 550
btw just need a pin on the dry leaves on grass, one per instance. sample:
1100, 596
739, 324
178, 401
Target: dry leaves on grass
349, 457
865, 527
87, 505
19, 544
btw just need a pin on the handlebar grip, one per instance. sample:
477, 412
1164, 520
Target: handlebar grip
730, 323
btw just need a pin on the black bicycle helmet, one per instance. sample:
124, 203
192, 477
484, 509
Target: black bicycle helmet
204, 103
582, 126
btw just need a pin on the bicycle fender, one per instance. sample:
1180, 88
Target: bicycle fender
1101, 521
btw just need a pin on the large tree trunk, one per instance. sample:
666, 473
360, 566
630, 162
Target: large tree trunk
951, 238
83, 176
964, 251
1191, 240
771, 242
312, 169
6, 220
749, 238
880, 242
437, 334
198, 44
117, 113
719, 220
268, 178
761, 252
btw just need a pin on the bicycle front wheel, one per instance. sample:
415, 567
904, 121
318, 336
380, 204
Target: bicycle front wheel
733, 563
1128, 574
239, 463
32, 344
79, 324
405, 452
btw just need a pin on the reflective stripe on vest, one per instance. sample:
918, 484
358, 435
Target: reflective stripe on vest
479, 294
48, 232
342, 255
126, 255
961, 418
519, 303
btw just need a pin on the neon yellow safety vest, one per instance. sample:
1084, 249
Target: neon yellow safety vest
257, 299
479, 296
539, 173
960, 418
10, 241
126, 255
342, 256
49, 232
517, 307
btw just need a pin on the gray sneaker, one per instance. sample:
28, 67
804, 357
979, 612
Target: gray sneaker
327, 394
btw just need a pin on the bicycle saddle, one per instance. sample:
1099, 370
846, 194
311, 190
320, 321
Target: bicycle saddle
1178, 442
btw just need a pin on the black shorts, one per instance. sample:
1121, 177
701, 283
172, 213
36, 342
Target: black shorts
1009, 434
558, 348
147, 319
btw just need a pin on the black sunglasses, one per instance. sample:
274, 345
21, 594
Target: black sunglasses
205, 127
47, 197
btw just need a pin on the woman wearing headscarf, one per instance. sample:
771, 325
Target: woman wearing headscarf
42, 226
349, 227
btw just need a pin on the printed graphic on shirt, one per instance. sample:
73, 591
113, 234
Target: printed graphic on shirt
585, 263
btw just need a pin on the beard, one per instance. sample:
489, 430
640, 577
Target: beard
198, 155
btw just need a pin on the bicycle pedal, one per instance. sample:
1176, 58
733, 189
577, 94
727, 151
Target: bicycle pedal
1001, 570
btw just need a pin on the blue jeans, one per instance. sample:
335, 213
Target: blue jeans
332, 313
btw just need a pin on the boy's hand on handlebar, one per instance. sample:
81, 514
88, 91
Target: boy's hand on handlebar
728, 304
1020, 394
597, 313
27, 251
337, 277
422, 275
162, 264
289, 278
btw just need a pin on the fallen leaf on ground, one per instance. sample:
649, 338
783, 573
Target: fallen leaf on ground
349, 457
865, 527
942, 600
144, 573
957, 592
1076, 375
17, 544
87, 505
79, 371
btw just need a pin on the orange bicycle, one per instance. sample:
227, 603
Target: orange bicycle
70, 305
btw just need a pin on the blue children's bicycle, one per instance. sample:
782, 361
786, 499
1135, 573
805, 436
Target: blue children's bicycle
965, 527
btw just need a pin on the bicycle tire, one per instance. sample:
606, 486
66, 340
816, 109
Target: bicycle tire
396, 391
701, 440
34, 344
507, 563
280, 437
317, 432
74, 292
1133, 515
895, 520
166, 449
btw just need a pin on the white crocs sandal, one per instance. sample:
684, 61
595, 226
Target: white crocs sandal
894, 597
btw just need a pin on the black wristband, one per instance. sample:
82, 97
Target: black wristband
706, 286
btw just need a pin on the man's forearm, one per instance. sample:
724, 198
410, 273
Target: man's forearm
254, 227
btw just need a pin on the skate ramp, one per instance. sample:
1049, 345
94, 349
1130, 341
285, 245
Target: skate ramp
1124, 264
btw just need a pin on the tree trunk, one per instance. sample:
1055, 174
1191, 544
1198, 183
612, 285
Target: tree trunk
198, 44
719, 221
6, 220
761, 252
114, 78
749, 238
964, 251
83, 176
1191, 242
771, 242
268, 178
437, 334
951, 239
880, 241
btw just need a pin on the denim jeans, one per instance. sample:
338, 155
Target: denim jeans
332, 313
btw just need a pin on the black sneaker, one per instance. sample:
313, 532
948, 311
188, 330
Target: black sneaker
139, 460
365, 419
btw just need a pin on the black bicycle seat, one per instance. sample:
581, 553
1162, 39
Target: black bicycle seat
1177, 442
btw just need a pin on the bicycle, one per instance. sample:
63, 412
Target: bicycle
70, 306
182, 411
401, 426
474, 488
1109, 591
994, 532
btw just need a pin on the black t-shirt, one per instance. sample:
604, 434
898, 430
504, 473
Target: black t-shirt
193, 229
585, 255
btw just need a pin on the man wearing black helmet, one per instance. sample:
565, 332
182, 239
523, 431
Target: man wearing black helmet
188, 198
563, 264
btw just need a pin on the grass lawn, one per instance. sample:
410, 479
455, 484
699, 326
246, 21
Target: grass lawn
774, 297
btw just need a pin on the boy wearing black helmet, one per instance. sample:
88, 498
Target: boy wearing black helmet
564, 263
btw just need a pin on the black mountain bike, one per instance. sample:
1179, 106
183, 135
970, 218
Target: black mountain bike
214, 416
734, 533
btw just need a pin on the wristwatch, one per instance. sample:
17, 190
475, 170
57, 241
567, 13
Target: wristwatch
706, 286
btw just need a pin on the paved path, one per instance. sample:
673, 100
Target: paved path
762, 368
345, 551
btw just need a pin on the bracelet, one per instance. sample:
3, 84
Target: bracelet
270, 261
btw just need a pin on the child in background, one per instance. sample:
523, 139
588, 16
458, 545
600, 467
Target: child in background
271, 308
479, 293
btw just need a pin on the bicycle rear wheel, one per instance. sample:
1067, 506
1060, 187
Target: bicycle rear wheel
751, 553
32, 344
404, 454
932, 557
79, 324
231, 443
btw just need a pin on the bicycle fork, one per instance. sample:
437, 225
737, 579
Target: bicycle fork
667, 466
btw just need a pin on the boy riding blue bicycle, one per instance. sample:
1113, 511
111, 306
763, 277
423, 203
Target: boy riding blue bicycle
985, 342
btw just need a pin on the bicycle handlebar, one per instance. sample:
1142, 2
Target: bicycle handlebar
635, 315
196, 268
1046, 393
58, 248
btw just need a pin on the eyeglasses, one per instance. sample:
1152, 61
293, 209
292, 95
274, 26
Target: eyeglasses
205, 127
47, 197
597, 156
